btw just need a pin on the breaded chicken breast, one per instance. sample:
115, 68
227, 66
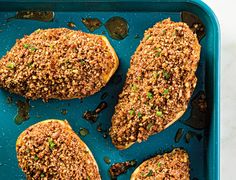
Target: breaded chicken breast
159, 83
51, 150
58, 63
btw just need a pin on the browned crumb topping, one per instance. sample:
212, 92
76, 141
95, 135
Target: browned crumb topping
56, 63
49, 151
174, 166
159, 83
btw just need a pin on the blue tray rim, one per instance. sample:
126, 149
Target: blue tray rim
217, 58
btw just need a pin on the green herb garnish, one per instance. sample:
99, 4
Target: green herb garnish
83, 132
51, 143
159, 113
149, 126
139, 115
148, 36
159, 164
149, 173
149, 95
134, 87
82, 61
11, 65
164, 31
139, 77
33, 48
131, 112
166, 75
36, 157
166, 91
42, 175
26, 46
158, 54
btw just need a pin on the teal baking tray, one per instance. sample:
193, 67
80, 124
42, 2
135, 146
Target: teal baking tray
140, 15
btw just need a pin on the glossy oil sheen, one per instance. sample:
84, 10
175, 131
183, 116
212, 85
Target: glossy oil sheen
140, 15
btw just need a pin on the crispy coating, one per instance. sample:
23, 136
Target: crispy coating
58, 63
159, 83
173, 165
51, 150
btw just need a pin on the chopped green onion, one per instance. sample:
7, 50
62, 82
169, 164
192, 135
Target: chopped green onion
131, 112
139, 77
159, 164
51, 143
166, 91
36, 157
158, 54
149, 173
33, 48
139, 115
149, 95
82, 61
164, 31
10, 65
42, 175
134, 87
166, 75
26, 46
148, 36
149, 126
159, 113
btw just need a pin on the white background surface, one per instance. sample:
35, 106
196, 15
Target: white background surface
225, 11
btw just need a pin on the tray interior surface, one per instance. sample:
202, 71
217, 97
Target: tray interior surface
138, 22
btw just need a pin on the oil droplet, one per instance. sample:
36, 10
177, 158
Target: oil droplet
83, 131
194, 23
22, 112
93, 115
199, 118
92, 23
107, 160
45, 16
179, 134
117, 27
